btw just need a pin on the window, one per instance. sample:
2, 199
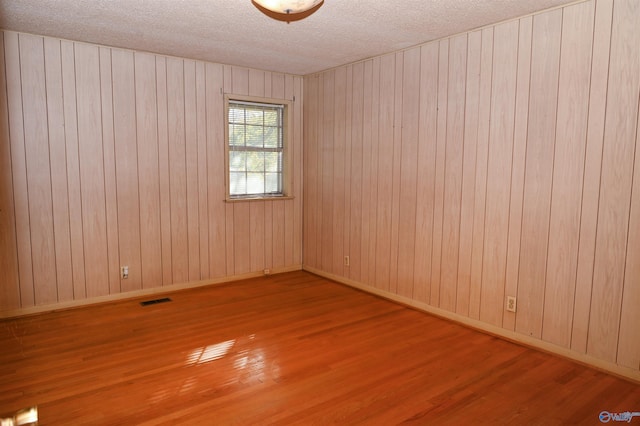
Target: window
256, 146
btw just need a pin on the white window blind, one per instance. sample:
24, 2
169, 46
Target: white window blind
256, 149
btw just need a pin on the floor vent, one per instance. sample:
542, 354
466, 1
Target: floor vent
155, 301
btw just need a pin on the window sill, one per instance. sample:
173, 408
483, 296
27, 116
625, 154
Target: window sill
240, 200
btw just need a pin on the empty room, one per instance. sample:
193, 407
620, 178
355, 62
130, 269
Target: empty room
319, 212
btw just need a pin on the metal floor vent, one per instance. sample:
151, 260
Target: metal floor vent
155, 301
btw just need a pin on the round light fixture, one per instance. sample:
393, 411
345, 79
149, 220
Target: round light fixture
288, 6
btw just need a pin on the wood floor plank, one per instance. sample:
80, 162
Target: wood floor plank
285, 349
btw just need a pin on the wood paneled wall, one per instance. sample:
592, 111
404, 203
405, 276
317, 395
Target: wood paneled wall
500, 162
111, 157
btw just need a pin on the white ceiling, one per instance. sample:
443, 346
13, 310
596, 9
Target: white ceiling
236, 32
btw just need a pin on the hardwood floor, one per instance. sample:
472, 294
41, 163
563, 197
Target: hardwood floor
288, 349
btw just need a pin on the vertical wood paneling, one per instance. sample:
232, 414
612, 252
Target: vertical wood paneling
215, 178
339, 177
592, 166
356, 189
426, 169
505, 54
408, 171
454, 153
327, 88
126, 155
311, 188
91, 161
348, 177
615, 182
482, 157
297, 170
257, 223
116, 158
191, 152
568, 172
396, 172
367, 172
203, 201
471, 115
148, 169
289, 223
163, 171
10, 290
57, 156
277, 225
110, 183
507, 193
518, 165
73, 169
19, 166
177, 170
229, 207
375, 147
628, 342
36, 141
543, 102
440, 156
385, 170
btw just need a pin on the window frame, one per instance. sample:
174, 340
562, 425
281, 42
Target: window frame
286, 160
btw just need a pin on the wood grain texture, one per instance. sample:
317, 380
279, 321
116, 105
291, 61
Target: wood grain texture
19, 168
568, 172
500, 156
454, 154
10, 290
38, 165
91, 164
513, 194
126, 159
592, 170
148, 169
325, 353
408, 172
110, 181
115, 158
518, 165
467, 201
621, 123
539, 166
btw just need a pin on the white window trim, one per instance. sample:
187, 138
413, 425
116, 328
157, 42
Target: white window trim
287, 178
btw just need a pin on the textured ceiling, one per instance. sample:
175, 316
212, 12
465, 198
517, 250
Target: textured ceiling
237, 32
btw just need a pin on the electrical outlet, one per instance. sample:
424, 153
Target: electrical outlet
511, 303
346, 261
124, 272
267, 272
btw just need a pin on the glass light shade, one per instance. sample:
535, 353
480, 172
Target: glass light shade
288, 6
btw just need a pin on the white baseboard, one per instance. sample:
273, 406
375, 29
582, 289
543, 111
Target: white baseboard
609, 367
138, 293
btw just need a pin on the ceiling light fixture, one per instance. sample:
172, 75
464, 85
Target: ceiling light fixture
288, 7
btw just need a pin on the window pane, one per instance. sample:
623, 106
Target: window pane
255, 136
255, 148
236, 134
271, 139
255, 161
273, 183
236, 115
255, 116
255, 183
271, 117
237, 183
272, 161
237, 161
